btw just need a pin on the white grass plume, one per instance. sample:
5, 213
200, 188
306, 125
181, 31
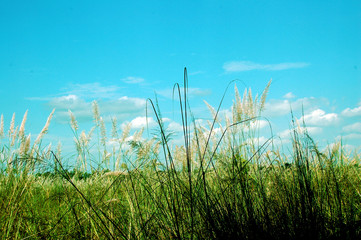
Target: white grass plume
22, 126
45, 128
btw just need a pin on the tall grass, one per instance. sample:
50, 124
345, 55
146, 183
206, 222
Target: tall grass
222, 183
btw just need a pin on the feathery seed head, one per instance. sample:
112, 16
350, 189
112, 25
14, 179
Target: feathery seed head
264, 95
26, 145
48, 151
12, 125
96, 115
125, 133
103, 131
138, 135
22, 126
58, 150
211, 109
2, 126
114, 128
73, 122
106, 156
45, 128
90, 134
13, 137
83, 139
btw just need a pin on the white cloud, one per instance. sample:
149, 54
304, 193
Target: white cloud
142, 122
240, 66
356, 127
289, 95
133, 80
174, 126
166, 119
348, 112
277, 107
320, 118
67, 100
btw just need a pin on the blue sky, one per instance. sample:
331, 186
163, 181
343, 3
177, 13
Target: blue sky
65, 54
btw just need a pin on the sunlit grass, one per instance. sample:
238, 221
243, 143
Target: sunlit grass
220, 184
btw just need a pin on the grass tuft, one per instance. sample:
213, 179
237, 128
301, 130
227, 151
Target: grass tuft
222, 183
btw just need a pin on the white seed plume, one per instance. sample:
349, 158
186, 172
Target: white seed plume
83, 139
96, 114
73, 122
58, 150
12, 126
103, 132
114, 128
2, 126
22, 126
45, 129
25, 146
125, 133
48, 151
13, 137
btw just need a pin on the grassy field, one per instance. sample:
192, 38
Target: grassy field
220, 184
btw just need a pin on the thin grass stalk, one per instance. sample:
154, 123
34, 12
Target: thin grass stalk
108, 234
172, 174
186, 136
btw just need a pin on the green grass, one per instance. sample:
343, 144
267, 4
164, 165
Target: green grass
215, 186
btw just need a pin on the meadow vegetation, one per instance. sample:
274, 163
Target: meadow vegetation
222, 183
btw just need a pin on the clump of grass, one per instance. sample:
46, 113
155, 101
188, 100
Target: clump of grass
221, 184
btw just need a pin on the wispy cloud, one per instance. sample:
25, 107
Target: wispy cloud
123, 108
351, 136
355, 127
352, 112
133, 80
240, 66
91, 90
80, 107
289, 95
